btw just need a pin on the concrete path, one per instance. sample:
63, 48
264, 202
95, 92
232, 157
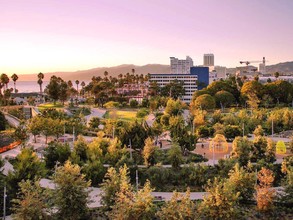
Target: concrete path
150, 119
95, 112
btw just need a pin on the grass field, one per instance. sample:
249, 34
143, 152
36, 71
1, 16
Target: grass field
124, 115
50, 105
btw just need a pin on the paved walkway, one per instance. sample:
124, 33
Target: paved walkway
95, 112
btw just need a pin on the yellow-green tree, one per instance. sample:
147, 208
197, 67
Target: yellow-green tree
31, 201
149, 152
71, 193
180, 207
220, 202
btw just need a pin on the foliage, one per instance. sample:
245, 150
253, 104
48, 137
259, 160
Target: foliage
56, 152
142, 113
203, 102
111, 104
31, 201
133, 103
264, 193
220, 202
241, 148
179, 207
94, 122
174, 107
71, 192
175, 156
149, 152
3, 122
224, 99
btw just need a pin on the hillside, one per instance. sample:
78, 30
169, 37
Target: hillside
283, 68
113, 71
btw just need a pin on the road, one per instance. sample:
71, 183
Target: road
95, 193
13, 121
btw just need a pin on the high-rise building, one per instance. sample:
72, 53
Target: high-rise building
180, 66
208, 59
196, 80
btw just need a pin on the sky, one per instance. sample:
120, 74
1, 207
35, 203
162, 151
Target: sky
68, 35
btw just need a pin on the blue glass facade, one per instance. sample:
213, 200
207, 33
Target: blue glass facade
202, 76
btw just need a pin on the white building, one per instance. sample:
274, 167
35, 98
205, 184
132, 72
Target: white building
221, 72
190, 83
180, 66
208, 59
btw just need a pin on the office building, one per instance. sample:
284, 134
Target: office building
180, 66
196, 80
208, 59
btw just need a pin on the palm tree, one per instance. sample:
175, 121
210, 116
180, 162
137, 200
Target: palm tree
4, 79
14, 78
40, 81
77, 82
82, 86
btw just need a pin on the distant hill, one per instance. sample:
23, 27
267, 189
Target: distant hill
282, 68
113, 71
86, 75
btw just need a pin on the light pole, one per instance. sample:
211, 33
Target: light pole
73, 133
4, 203
130, 149
272, 128
243, 129
136, 178
213, 144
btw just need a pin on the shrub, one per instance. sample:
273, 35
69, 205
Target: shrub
142, 113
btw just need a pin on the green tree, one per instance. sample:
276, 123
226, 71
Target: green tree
258, 131
2, 122
174, 89
27, 166
56, 152
31, 201
35, 126
224, 99
205, 101
175, 156
79, 153
94, 122
180, 207
71, 192
20, 133
4, 80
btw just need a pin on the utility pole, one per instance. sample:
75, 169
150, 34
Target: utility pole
73, 133
243, 129
4, 203
213, 144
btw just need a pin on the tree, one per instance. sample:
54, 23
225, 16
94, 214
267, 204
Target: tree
276, 74
56, 152
203, 102
175, 156
241, 148
40, 81
263, 148
133, 103
77, 83
232, 131
27, 166
224, 99
252, 91
14, 78
149, 152
4, 80
71, 192
242, 181
264, 193
94, 122
174, 89
35, 126
220, 202
20, 133
2, 122
179, 207
258, 131
79, 153
174, 107
31, 201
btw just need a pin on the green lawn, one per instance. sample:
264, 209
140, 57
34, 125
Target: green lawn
50, 105
124, 115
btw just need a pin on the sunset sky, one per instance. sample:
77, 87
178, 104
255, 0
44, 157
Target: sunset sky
68, 35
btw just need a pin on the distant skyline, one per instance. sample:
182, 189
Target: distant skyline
68, 35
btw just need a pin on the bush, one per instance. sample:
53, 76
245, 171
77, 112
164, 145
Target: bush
142, 113
111, 104
133, 103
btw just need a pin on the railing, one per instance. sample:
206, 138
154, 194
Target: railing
9, 147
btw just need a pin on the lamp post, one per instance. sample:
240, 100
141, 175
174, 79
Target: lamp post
4, 203
136, 178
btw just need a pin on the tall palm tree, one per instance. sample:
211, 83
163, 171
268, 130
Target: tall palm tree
69, 83
14, 78
40, 81
77, 82
82, 86
4, 79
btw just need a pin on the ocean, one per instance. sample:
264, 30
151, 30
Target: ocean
27, 86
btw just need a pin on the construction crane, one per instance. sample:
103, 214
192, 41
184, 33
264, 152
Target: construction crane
249, 62
263, 62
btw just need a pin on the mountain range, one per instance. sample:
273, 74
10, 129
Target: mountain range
86, 75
